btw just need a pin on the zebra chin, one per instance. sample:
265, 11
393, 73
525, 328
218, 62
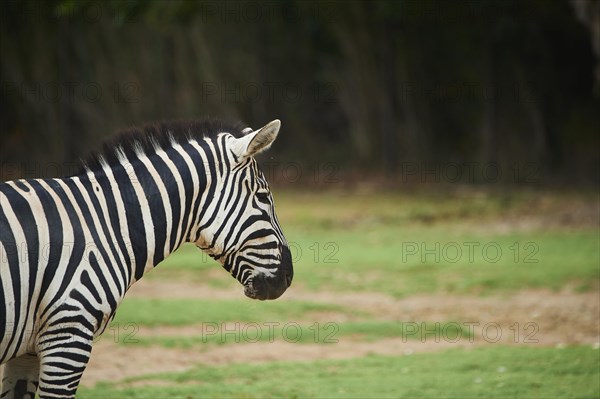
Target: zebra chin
263, 287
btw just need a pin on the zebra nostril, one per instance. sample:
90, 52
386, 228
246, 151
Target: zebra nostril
288, 279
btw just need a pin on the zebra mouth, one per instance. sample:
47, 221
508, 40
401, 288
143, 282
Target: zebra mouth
262, 288
251, 292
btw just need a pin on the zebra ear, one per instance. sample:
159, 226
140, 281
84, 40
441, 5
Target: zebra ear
257, 141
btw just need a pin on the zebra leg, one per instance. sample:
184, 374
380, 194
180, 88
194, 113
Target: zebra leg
64, 349
62, 363
20, 378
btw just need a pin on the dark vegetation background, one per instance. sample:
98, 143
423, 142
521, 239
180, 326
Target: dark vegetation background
364, 88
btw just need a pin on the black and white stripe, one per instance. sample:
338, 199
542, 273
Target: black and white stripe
71, 247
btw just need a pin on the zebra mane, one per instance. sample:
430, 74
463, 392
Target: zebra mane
155, 136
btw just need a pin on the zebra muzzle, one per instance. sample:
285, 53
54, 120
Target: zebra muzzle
262, 286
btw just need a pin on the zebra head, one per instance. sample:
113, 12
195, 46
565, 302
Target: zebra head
244, 235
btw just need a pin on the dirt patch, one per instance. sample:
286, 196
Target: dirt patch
532, 318
113, 362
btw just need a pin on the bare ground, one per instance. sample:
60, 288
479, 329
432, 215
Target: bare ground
555, 319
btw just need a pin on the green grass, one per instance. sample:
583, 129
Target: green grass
403, 244
177, 312
402, 263
492, 372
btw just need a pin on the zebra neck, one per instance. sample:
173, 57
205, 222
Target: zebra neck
147, 207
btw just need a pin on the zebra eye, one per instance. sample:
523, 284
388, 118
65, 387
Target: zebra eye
262, 196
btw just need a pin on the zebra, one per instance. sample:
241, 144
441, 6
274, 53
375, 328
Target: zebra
71, 247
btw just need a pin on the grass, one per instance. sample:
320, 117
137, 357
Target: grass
492, 372
177, 312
